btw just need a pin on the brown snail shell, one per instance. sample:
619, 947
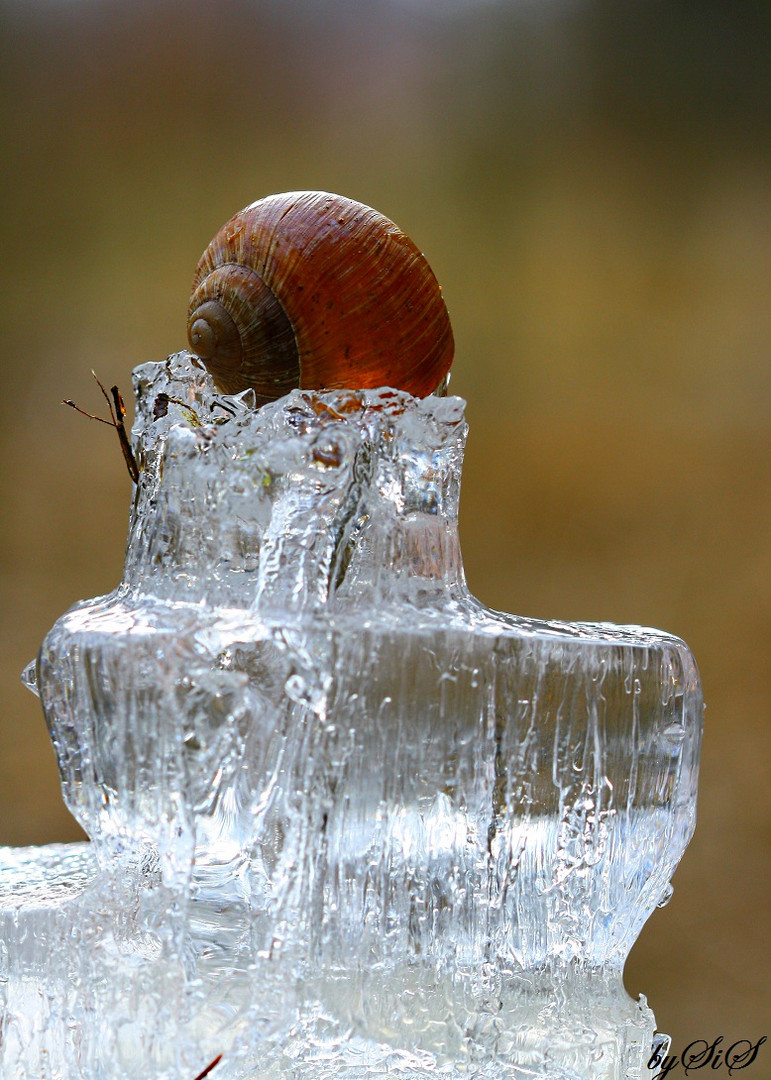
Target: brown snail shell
313, 290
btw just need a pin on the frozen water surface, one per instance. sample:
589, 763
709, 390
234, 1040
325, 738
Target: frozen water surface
346, 822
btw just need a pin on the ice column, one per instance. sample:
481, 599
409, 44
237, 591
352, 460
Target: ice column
345, 820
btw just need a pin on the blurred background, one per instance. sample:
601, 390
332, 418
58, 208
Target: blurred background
590, 183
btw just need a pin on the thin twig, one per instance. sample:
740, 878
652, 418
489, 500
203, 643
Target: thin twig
125, 443
83, 412
209, 1067
117, 421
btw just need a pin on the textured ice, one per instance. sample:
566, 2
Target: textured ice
346, 821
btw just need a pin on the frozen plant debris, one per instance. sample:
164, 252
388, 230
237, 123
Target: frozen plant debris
117, 421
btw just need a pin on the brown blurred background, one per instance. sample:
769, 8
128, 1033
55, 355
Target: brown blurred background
589, 182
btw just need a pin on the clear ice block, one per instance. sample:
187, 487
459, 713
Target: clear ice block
345, 820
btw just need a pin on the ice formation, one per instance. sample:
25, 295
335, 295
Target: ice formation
345, 821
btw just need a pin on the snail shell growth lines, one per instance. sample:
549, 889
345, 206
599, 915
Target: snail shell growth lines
313, 290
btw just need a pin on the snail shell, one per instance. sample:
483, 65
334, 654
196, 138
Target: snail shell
313, 290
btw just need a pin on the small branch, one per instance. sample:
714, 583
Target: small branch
125, 443
117, 421
83, 412
209, 1067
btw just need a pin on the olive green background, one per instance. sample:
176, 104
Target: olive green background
588, 181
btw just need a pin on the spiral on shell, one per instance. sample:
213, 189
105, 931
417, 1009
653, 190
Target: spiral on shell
313, 290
